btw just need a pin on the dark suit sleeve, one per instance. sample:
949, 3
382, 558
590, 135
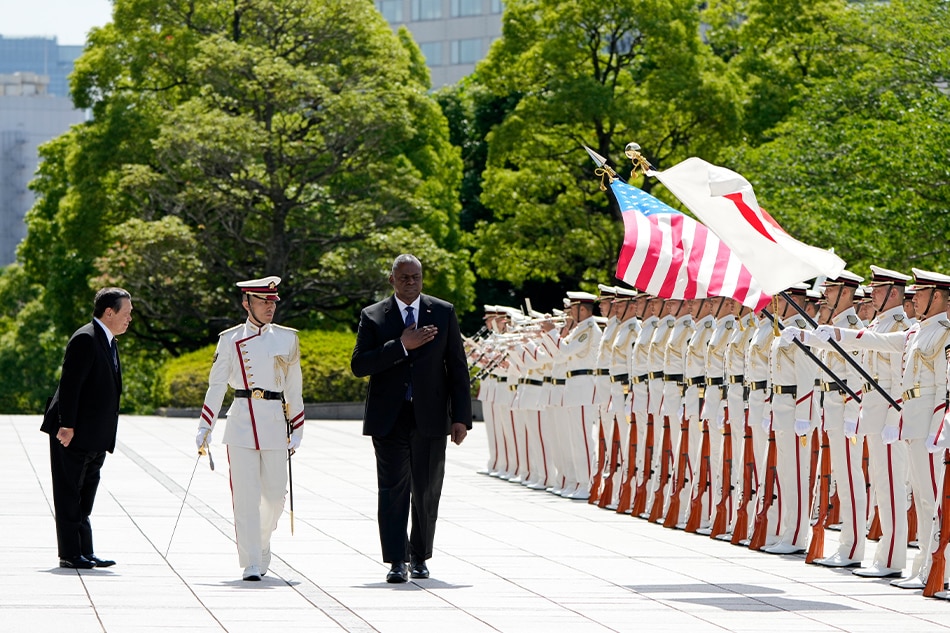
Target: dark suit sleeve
77, 364
456, 369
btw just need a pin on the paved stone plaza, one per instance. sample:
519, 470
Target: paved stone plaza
507, 558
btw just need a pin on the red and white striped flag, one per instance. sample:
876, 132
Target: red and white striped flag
671, 255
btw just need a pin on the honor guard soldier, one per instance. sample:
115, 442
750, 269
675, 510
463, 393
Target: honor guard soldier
793, 380
580, 349
662, 424
923, 391
694, 378
840, 420
603, 423
674, 389
743, 465
759, 384
625, 306
887, 463
261, 361
647, 427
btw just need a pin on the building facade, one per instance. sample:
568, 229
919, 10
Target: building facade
454, 35
40, 56
29, 117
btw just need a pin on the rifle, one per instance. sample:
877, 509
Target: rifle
761, 525
626, 486
816, 549
720, 524
607, 489
666, 465
741, 529
695, 518
938, 567
673, 513
639, 505
595, 484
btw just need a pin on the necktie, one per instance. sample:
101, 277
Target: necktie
115, 354
410, 321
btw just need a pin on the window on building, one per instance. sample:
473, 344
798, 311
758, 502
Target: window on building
463, 8
426, 9
466, 51
391, 9
432, 51
497, 6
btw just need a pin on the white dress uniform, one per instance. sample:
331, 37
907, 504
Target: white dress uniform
621, 350
924, 388
561, 464
840, 413
737, 407
603, 425
580, 348
260, 363
714, 409
694, 372
887, 463
639, 369
674, 363
758, 380
793, 381
661, 424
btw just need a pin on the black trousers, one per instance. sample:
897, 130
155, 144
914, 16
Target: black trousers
75, 481
410, 469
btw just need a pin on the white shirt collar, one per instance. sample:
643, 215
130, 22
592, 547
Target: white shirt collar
109, 334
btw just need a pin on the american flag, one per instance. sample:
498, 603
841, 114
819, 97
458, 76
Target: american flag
671, 255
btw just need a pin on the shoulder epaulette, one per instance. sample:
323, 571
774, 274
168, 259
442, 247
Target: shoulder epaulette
284, 327
230, 329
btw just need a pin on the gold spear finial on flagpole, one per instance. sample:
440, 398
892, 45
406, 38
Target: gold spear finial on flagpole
640, 163
603, 169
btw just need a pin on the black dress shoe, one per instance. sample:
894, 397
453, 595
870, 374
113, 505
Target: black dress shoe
397, 573
99, 562
418, 569
76, 562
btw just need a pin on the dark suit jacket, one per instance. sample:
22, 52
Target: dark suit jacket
438, 369
87, 399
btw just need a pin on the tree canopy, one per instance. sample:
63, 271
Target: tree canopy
231, 140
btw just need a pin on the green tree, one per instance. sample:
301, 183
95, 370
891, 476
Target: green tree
863, 161
586, 72
287, 137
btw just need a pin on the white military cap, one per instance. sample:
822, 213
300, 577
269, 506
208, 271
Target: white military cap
606, 292
265, 287
625, 293
845, 278
576, 296
929, 279
800, 289
883, 276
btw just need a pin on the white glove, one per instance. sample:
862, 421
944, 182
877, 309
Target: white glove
766, 424
293, 442
203, 437
932, 443
824, 332
850, 428
789, 333
802, 427
890, 434
721, 422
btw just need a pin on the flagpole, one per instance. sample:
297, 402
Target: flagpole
841, 383
846, 355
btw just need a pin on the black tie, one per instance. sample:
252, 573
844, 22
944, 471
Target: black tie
410, 321
115, 354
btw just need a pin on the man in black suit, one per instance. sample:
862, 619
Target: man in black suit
411, 348
81, 419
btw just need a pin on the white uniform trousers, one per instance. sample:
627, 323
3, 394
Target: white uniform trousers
582, 424
887, 468
564, 476
258, 489
846, 458
926, 480
761, 409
